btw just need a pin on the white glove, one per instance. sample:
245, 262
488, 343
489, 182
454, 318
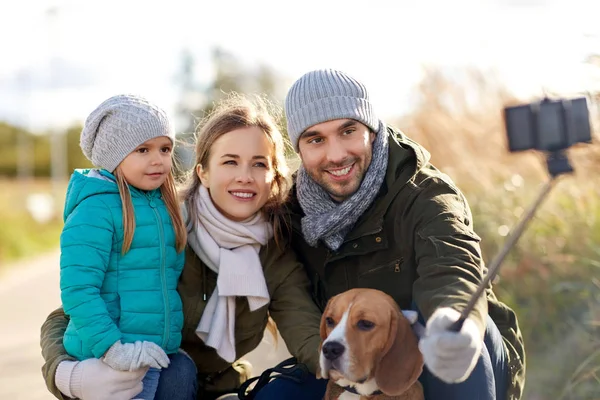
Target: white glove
92, 379
411, 316
451, 356
132, 356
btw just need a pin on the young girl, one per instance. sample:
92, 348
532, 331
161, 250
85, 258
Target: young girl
239, 269
122, 244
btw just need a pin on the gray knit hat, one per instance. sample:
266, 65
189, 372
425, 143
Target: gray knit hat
324, 95
119, 125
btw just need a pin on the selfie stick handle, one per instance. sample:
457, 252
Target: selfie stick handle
496, 262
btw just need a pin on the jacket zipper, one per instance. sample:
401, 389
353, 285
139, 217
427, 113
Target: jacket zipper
163, 278
396, 267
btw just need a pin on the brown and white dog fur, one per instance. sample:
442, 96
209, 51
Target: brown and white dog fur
368, 344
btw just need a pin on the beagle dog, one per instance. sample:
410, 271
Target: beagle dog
368, 349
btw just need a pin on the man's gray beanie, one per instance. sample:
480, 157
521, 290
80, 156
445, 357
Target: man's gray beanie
324, 95
119, 125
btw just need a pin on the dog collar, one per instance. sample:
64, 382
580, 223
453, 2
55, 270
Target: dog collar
352, 390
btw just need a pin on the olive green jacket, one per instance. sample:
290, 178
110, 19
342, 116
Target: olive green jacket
291, 307
416, 243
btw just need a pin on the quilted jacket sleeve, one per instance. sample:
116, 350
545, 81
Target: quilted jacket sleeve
53, 351
86, 243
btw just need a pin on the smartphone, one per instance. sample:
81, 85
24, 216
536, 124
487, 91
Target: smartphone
548, 125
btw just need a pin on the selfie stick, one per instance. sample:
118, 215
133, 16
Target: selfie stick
550, 126
558, 164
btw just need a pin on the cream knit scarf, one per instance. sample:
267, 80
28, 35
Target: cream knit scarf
231, 250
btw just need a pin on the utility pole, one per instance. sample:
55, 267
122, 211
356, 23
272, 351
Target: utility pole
24, 147
58, 151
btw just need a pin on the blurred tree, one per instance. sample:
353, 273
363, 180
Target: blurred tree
40, 147
196, 102
191, 95
8, 148
9, 141
229, 75
76, 159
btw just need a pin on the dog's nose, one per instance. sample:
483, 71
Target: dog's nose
333, 350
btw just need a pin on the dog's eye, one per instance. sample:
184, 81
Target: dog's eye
330, 322
365, 325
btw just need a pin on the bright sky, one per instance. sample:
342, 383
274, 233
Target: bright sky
101, 48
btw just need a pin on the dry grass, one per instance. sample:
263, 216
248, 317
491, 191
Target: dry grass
20, 234
550, 277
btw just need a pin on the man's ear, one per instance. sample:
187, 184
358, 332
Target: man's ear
202, 174
402, 364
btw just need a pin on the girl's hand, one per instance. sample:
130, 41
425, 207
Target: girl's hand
133, 356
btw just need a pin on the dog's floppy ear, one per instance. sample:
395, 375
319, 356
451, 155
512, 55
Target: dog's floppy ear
402, 362
323, 334
323, 327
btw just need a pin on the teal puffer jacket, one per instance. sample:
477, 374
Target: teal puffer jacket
110, 296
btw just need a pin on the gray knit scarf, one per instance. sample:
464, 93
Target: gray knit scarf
330, 221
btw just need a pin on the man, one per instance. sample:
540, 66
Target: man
369, 210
